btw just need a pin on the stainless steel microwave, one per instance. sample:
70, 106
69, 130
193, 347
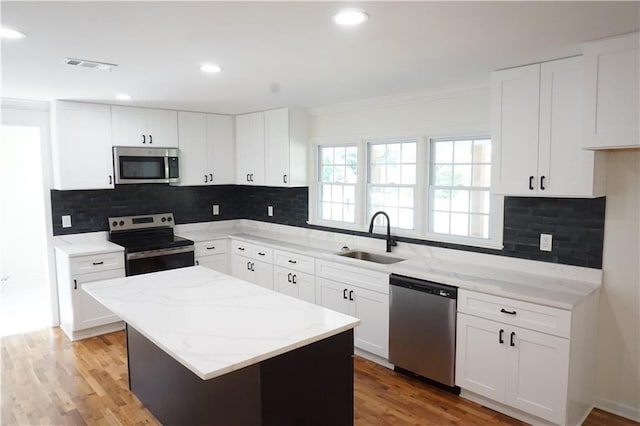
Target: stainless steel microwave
146, 165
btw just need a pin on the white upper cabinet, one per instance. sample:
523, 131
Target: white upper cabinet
286, 147
612, 73
144, 127
538, 133
250, 161
206, 143
81, 146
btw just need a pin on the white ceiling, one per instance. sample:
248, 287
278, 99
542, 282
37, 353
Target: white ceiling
284, 53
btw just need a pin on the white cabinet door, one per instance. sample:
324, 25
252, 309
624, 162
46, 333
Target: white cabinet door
86, 310
193, 148
564, 168
81, 148
250, 149
129, 126
221, 148
481, 356
537, 373
612, 91
241, 268
373, 310
276, 125
515, 106
162, 127
217, 262
332, 295
263, 273
296, 284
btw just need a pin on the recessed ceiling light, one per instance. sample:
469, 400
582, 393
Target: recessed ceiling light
350, 17
123, 97
210, 68
11, 34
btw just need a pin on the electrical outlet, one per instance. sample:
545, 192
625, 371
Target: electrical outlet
546, 242
216, 210
270, 211
66, 221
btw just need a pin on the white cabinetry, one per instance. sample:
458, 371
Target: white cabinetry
361, 293
144, 127
611, 92
272, 148
81, 146
253, 263
206, 143
81, 315
213, 254
286, 147
537, 133
250, 149
293, 275
518, 354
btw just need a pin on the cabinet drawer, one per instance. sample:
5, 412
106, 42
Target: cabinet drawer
360, 277
209, 248
262, 253
522, 314
97, 262
294, 261
241, 248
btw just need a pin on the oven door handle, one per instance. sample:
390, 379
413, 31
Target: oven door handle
157, 253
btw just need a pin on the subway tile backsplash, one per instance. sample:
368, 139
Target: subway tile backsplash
577, 225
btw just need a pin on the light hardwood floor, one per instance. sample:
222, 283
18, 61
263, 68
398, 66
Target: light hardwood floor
48, 380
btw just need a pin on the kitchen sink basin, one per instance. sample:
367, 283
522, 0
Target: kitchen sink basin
370, 257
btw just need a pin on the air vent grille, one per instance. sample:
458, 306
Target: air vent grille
90, 64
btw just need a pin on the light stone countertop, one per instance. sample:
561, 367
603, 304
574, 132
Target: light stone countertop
213, 323
85, 244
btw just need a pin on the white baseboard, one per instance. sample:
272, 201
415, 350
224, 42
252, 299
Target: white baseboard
619, 409
371, 357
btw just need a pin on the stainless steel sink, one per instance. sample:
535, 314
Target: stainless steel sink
370, 257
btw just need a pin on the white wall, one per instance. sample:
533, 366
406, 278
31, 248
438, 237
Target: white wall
618, 372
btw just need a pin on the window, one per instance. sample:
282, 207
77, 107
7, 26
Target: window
459, 187
337, 180
391, 183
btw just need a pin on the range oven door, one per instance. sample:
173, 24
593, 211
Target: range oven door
159, 260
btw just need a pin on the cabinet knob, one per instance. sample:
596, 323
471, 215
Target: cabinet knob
144, 139
289, 277
75, 284
531, 182
210, 177
150, 139
344, 294
293, 280
110, 180
252, 265
511, 342
197, 262
351, 295
205, 179
542, 183
248, 178
500, 339
248, 266
284, 178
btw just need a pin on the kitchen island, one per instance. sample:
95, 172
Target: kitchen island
207, 348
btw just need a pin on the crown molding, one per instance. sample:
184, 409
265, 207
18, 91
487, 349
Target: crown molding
27, 104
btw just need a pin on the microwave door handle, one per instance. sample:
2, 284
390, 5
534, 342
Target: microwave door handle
166, 168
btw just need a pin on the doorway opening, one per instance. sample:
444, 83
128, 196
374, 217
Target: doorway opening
25, 297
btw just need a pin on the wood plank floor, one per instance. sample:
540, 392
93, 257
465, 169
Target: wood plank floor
48, 380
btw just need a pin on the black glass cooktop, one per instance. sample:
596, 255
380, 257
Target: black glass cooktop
148, 239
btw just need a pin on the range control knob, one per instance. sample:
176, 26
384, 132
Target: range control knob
122, 223
114, 223
169, 219
164, 219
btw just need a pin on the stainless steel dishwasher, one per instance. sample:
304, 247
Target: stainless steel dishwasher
422, 328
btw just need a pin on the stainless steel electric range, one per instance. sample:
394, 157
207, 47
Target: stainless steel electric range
150, 244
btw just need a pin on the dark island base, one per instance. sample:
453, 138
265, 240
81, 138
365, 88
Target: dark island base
312, 385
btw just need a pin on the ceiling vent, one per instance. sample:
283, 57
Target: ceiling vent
90, 64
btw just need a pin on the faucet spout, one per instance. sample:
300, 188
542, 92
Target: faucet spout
390, 241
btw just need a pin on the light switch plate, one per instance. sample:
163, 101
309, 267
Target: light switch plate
216, 210
66, 221
270, 211
546, 242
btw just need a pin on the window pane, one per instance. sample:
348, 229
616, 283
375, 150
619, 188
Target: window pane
326, 211
479, 202
376, 197
336, 211
482, 175
351, 175
336, 193
378, 174
325, 193
349, 213
441, 199
326, 154
479, 226
393, 174
443, 175
349, 194
408, 174
338, 174
408, 152
459, 201
391, 197
462, 152
406, 197
405, 218
327, 174
459, 224
441, 222
393, 153
378, 152
352, 155
482, 151
340, 155
443, 152
461, 175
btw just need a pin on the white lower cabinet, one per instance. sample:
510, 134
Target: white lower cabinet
526, 371
81, 315
245, 266
296, 284
213, 254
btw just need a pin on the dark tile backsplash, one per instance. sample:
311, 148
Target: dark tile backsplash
577, 225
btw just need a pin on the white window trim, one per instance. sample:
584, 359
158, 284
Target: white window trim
496, 217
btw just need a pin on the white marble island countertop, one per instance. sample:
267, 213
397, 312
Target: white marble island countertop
213, 323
